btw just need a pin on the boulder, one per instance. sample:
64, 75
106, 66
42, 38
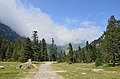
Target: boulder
26, 65
83, 73
97, 70
2, 67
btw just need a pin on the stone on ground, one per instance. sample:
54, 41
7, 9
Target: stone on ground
2, 67
83, 73
97, 70
25, 65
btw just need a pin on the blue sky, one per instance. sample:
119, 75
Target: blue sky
97, 11
67, 21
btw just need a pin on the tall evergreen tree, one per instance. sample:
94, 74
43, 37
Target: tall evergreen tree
88, 52
110, 40
44, 54
3, 49
1, 40
82, 56
26, 50
16, 48
35, 37
35, 46
60, 57
53, 51
70, 56
98, 61
9, 51
78, 54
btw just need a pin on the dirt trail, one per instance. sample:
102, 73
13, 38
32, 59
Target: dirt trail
45, 72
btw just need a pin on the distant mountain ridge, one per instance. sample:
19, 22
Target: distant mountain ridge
75, 46
9, 34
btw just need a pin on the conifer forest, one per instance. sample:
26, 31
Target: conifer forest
104, 50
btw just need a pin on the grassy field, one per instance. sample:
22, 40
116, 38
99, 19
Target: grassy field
85, 71
10, 71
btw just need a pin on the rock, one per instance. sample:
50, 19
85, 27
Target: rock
26, 65
34, 65
97, 70
2, 67
29, 60
83, 73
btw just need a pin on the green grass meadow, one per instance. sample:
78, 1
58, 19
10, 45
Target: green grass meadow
10, 71
84, 71
72, 71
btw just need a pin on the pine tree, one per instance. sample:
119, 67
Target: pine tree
44, 54
1, 40
35, 37
64, 56
53, 51
16, 48
35, 47
26, 50
82, 56
3, 49
70, 56
9, 51
60, 57
98, 61
77, 54
88, 53
39, 51
118, 41
94, 54
110, 40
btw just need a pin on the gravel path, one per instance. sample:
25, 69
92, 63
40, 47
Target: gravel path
45, 72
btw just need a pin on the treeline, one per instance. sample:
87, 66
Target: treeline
105, 50
27, 49
85, 55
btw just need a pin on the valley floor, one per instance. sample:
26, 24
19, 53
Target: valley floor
53, 70
87, 71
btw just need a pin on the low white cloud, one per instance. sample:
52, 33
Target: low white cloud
87, 33
25, 18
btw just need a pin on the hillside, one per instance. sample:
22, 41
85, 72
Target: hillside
8, 33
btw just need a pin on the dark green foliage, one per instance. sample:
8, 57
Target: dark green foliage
35, 46
98, 61
22, 51
111, 41
9, 51
26, 50
78, 54
35, 37
53, 51
44, 54
87, 53
70, 56
16, 50
82, 56
61, 57
3, 49
90, 53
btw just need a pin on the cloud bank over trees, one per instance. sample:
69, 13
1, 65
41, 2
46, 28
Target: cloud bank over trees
24, 19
